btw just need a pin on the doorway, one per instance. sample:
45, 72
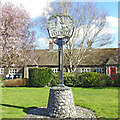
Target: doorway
112, 71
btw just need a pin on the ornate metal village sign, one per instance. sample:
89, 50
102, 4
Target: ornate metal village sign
60, 28
61, 103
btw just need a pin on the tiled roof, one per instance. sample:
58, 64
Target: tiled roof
93, 57
113, 61
44, 58
99, 56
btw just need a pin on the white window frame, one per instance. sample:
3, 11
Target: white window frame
1, 71
84, 70
13, 71
55, 70
100, 70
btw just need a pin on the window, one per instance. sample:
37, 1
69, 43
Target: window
100, 70
1, 71
85, 70
13, 70
55, 70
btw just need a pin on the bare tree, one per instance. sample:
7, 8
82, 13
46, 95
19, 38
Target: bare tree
90, 30
16, 35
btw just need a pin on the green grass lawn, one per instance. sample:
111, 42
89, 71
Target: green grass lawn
16, 102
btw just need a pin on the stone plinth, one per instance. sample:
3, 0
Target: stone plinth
61, 103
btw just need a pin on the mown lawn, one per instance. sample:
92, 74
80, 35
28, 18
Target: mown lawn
17, 101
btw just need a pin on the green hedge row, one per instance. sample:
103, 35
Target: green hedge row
89, 79
116, 80
93, 79
40, 77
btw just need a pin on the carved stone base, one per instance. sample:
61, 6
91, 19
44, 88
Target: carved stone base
61, 103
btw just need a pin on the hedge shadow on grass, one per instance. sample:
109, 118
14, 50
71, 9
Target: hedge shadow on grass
25, 109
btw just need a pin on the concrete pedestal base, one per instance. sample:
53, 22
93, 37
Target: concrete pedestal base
61, 103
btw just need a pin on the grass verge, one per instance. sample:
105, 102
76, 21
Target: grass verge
17, 101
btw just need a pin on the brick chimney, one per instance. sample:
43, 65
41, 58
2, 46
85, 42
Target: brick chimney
50, 45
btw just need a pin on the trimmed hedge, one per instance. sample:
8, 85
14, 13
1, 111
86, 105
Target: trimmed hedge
89, 79
92, 79
39, 77
54, 81
69, 79
15, 83
116, 80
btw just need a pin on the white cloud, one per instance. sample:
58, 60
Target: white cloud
43, 43
34, 7
93, 29
112, 21
43, 40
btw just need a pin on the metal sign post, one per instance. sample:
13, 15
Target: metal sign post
60, 29
60, 44
60, 103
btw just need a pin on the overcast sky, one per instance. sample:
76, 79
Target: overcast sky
36, 7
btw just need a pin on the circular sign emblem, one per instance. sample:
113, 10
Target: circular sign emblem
60, 26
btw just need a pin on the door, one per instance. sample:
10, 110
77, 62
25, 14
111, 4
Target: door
112, 71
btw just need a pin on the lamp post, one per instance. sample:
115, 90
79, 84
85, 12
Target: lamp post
60, 28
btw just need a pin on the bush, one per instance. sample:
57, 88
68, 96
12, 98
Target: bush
55, 80
92, 79
2, 79
116, 80
39, 77
15, 83
89, 79
20, 76
69, 79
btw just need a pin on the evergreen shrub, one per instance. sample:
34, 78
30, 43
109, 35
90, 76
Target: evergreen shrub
89, 79
55, 80
69, 79
92, 79
116, 80
39, 77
